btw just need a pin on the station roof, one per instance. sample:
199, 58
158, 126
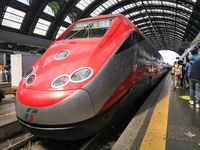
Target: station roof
168, 24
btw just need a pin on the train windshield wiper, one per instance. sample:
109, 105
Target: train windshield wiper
88, 28
83, 30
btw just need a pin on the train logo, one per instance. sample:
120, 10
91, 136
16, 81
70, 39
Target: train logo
30, 114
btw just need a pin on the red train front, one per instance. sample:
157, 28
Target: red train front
77, 85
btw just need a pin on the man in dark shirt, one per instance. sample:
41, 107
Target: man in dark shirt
194, 82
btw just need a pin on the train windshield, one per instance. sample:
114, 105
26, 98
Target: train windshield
89, 29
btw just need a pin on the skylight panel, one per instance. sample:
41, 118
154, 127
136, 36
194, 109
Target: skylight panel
102, 7
180, 33
116, 11
183, 16
143, 11
106, 5
140, 24
134, 13
170, 12
41, 27
126, 7
80, 6
68, 20
97, 12
139, 3
113, 1
93, 14
152, 17
180, 30
156, 2
180, 25
155, 10
138, 19
185, 8
129, 6
147, 30
165, 3
133, 5
83, 4
121, 10
49, 11
182, 20
170, 4
109, 3
24, 2
60, 31
142, 28
145, 3
13, 18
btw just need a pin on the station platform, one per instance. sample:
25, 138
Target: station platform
165, 121
7, 110
8, 121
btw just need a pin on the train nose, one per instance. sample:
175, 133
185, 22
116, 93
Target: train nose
75, 106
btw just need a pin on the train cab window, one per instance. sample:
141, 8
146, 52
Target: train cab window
89, 29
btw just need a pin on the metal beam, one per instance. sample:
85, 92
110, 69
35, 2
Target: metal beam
32, 16
59, 18
22, 39
91, 8
3, 4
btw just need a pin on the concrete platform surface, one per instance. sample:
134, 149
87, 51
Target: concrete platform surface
165, 121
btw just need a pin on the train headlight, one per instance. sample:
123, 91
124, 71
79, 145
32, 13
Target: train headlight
30, 79
60, 81
81, 74
29, 72
61, 55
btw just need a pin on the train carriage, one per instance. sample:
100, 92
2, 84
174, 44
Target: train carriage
82, 81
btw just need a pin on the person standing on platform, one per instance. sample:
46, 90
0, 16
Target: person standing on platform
194, 81
188, 67
178, 74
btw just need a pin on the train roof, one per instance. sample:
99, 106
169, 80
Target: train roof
122, 17
103, 17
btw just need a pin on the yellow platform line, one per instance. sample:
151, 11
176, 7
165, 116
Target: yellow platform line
155, 136
8, 114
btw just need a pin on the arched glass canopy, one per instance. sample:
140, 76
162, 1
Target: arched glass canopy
168, 24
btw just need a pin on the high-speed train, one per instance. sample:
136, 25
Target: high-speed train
83, 79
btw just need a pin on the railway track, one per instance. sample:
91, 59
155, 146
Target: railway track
16, 141
31, 142
21, 143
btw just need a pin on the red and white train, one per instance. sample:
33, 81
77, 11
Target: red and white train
81, 82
